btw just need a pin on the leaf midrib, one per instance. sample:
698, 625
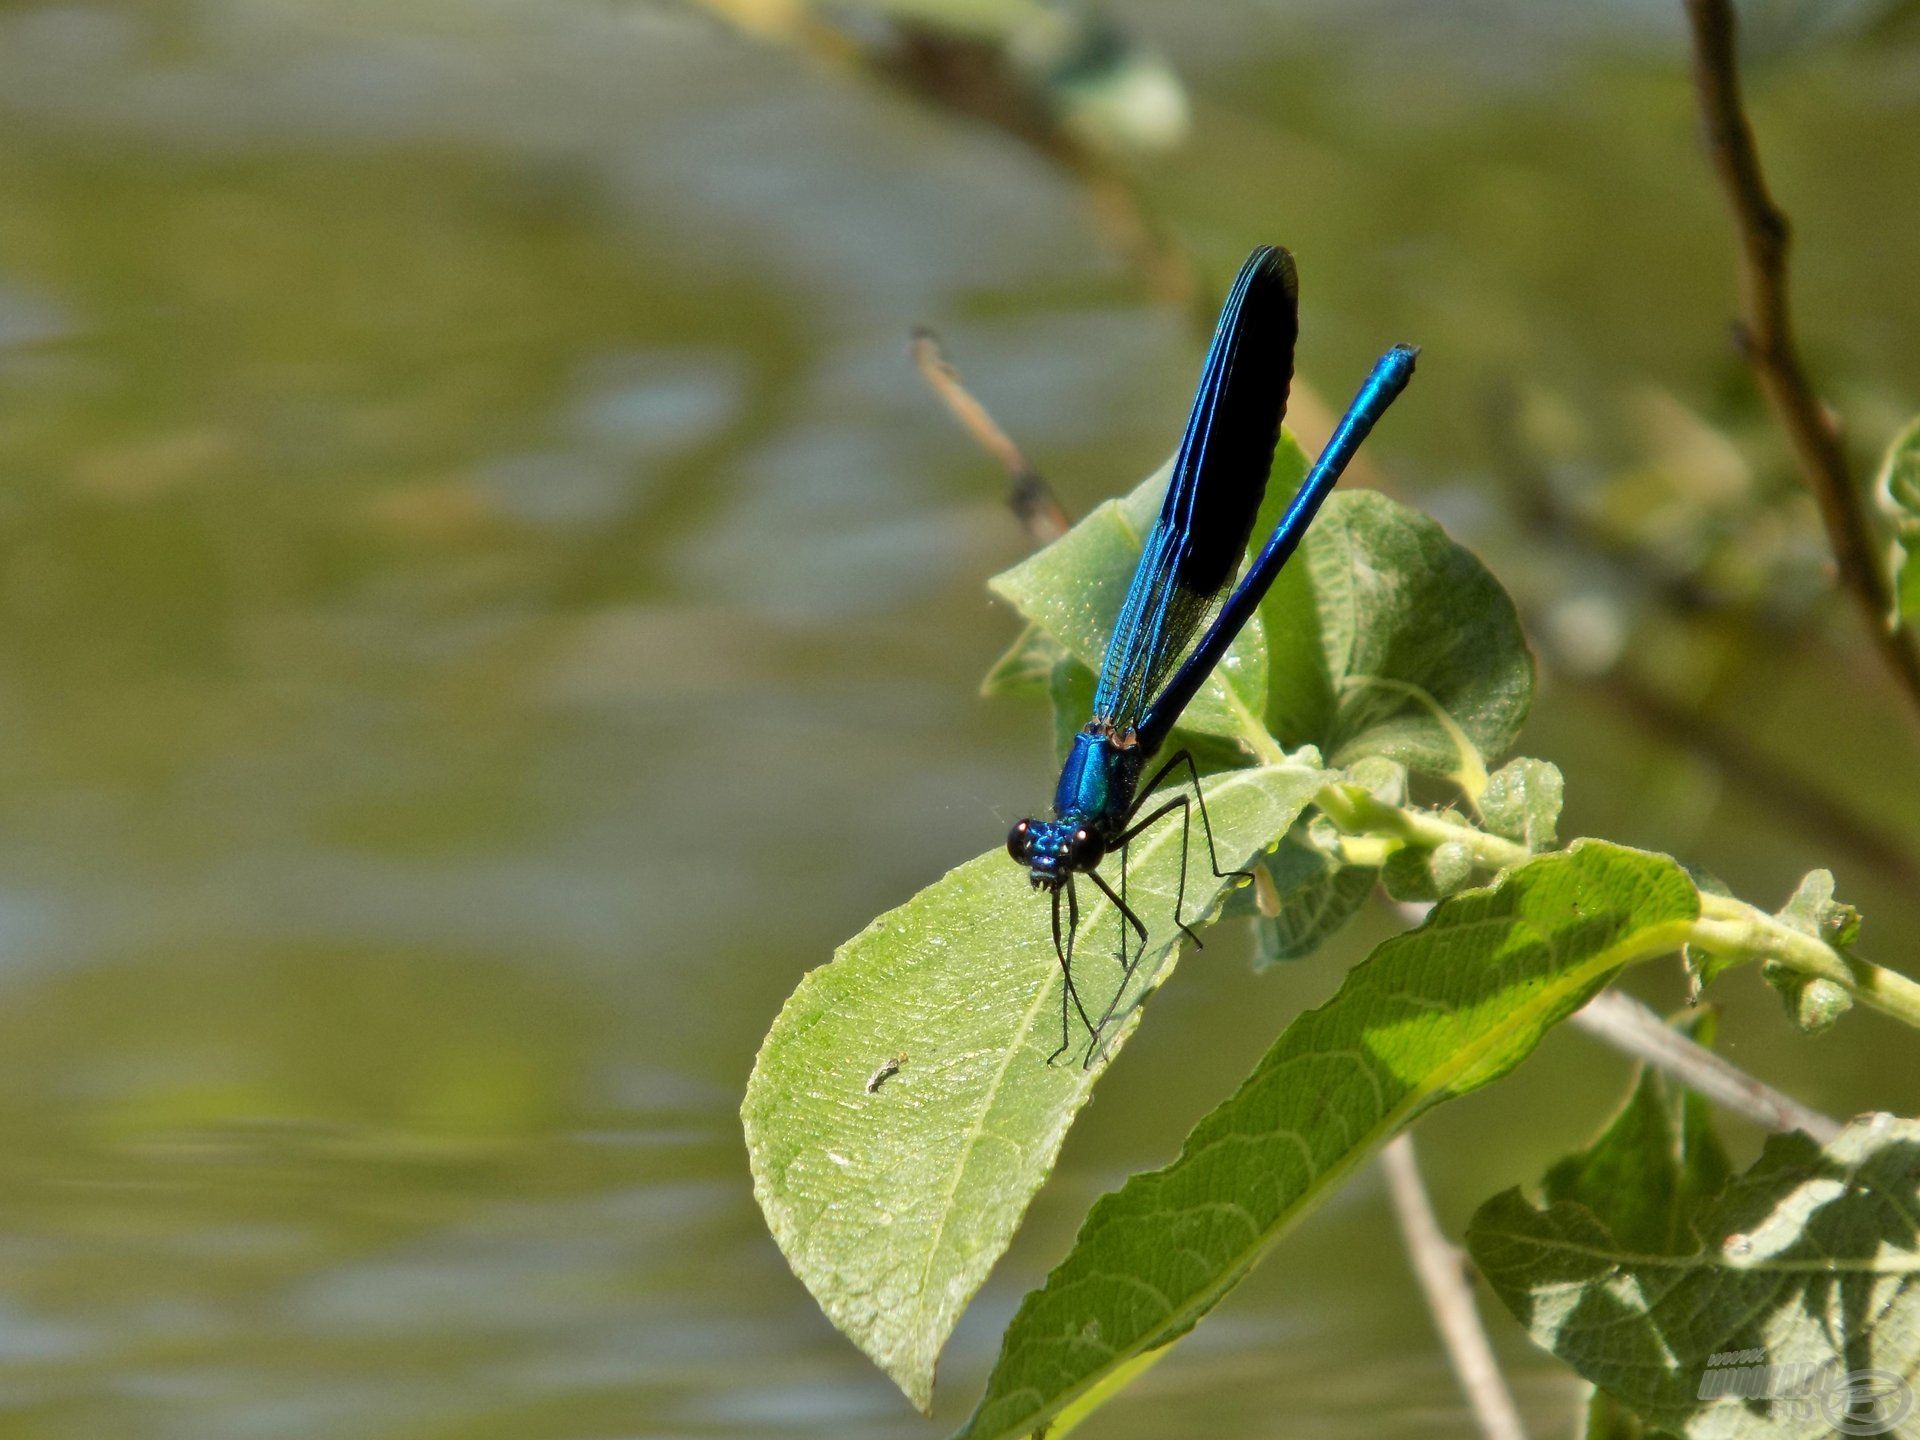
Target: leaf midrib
1705, 1259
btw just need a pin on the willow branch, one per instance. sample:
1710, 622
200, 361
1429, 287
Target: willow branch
1629, 1026
1441, 1270
1765, 335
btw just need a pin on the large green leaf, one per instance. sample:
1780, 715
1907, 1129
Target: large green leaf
893, 1199
1392, 640
1428, 1015
1740, 1315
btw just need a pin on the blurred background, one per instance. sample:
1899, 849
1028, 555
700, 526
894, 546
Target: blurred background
487, 604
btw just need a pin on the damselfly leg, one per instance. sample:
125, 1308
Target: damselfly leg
1183, 804
1064, 952
1127, 963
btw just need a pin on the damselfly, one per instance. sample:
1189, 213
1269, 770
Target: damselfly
1190, 559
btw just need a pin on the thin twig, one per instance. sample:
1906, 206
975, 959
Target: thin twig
1441, 1270
1032, 499
1627, 1025
1765, 336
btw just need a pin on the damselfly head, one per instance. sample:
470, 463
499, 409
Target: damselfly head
1054, 849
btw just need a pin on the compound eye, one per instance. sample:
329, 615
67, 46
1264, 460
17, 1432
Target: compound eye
1085, 849
1020, 840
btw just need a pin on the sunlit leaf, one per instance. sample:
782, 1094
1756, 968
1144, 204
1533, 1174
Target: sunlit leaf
1431, 1014
1743, 1314
1026, 669
1386, 638
893, 1202
1522, 802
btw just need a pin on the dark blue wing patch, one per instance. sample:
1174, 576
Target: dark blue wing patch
1213, 495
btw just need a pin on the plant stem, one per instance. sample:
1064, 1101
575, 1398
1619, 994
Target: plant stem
1029, 496
1733, 927
1726, 926
1765, 335
1356, 810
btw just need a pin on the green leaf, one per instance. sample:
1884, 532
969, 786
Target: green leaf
1312, 888
1422, 874
1650, 1172
1073, 589
1070, 688
1386, 638
1608, 1419
1814, 1004
1805, 1264
892, 1203
1025, 672
1382, 638
1430, 1014
1899, 495
1522, 802
1812, 910
1312, 893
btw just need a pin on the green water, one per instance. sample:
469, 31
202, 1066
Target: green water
487, 604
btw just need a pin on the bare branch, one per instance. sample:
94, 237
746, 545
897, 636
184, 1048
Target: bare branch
1441, 1270
1765, 336
1627, 1025
1032, 499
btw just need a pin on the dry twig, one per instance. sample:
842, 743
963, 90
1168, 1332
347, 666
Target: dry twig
1765, 336
1441, 1270
1033, 502
1629, 1026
